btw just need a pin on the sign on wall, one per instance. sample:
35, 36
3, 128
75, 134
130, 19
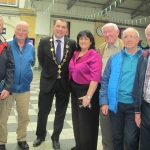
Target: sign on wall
9, 2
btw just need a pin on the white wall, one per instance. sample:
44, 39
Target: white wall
9, 24
77, 26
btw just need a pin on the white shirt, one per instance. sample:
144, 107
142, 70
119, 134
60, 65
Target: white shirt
62, 45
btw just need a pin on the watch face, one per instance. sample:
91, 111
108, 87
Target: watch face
99, 31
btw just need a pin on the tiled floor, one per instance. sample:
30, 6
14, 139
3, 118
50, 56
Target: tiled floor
66, 137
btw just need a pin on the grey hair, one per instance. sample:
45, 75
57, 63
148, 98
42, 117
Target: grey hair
2, 19
110, 24
133, 29
146, 29
23, 22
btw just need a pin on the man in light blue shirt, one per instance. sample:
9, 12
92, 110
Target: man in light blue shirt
116, 88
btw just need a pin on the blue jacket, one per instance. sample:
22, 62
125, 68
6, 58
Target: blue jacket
24, 60
110, 80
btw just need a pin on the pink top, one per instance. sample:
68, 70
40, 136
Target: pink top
87, 68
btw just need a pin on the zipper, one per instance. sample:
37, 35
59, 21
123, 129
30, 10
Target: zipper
20, 71
119, 82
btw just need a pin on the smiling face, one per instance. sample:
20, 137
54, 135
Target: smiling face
84, 42
22, 30
130, 39
60, 28
110, 34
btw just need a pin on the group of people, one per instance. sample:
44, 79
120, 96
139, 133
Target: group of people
124, 94
112, 81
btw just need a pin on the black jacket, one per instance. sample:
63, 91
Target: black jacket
49, 67
138, 86
7, 67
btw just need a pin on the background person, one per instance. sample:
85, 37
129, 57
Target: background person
24, 57
85, 75
141, 96
7, 74
117, 83
113, 44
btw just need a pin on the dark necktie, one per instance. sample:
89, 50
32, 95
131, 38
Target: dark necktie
58, 51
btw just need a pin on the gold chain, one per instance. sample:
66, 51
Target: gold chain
54, 58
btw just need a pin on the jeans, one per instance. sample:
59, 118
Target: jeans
145, 127
125, 130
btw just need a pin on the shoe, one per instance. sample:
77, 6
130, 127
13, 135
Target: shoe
56, 145
2, 147
23, 145
38, 142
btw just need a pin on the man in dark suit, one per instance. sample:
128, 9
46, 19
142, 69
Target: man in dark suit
54, 54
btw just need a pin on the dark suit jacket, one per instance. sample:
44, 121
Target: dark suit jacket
49, 67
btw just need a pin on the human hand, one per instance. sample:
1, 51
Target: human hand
4, 94
104, 109
138, 119
85, 101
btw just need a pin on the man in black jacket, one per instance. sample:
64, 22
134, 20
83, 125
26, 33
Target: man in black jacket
141, 95
6, 85
54, 54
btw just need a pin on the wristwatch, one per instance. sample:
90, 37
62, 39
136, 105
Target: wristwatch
89, 97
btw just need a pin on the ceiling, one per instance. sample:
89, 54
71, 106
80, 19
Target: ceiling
134, 7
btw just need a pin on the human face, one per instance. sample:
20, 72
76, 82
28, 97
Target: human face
1, 25
130, 39
60, 29
110, 34
84, 43
148, 35
21, 31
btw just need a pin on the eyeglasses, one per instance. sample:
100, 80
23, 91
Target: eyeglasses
22, 30
130, 36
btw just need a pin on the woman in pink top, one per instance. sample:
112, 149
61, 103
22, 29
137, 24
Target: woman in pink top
85, 76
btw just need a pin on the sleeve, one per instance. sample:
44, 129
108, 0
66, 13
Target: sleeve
9, 70
136, 87
95, 68
33, 61
41, 53
103, 92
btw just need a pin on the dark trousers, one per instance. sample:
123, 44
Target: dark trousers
145, 127
125, 129
45, 104
85, 120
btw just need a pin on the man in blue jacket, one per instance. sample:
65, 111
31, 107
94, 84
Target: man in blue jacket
116, 88
6, 84
141, 95
24, 57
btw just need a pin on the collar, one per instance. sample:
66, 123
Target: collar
2, 39
27, 40
116, 45
139, 52
61, 39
